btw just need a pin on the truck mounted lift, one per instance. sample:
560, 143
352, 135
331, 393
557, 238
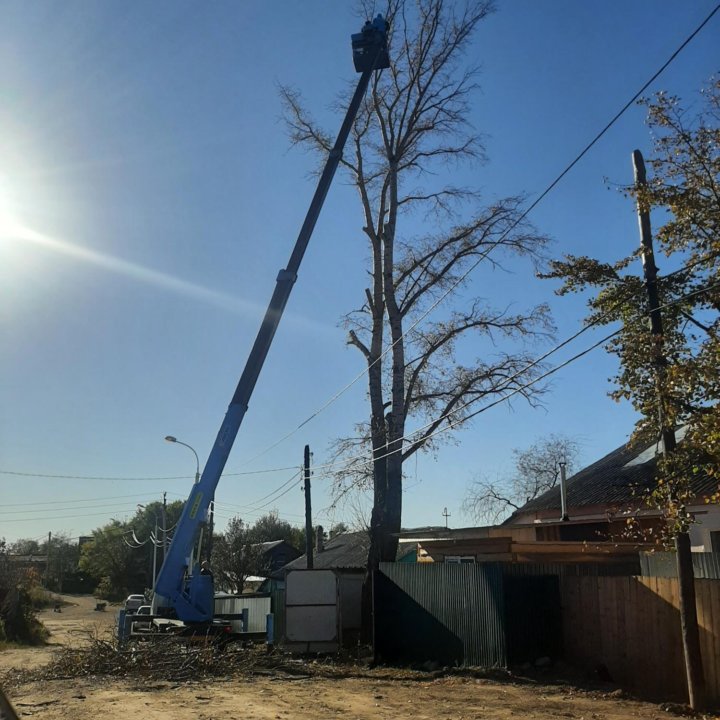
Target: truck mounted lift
182, 587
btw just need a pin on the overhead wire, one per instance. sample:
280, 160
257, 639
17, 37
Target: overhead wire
453, 286
515, 224
256, 507
522, 388
140, 479
54, 503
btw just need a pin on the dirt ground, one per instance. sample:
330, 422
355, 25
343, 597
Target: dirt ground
363, 694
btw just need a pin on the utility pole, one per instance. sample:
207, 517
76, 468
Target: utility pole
446, 515
47, 563
686, 575
308, 512
155, 547
164, 526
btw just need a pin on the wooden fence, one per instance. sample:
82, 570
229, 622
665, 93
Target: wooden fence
631, 627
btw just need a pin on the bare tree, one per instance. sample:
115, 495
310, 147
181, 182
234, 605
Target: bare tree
537, 470
412, 126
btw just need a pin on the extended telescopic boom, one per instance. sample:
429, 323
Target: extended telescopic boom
186, 589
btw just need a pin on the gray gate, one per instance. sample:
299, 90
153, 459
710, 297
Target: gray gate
446, 613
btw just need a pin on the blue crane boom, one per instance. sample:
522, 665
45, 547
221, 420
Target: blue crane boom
179, 581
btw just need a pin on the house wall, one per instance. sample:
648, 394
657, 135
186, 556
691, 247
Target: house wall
708, 521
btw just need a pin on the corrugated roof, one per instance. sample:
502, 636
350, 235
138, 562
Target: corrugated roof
346, 551
616, 479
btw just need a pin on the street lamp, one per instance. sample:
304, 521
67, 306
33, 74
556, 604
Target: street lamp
172, 439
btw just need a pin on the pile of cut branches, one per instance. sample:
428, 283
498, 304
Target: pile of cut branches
162, 658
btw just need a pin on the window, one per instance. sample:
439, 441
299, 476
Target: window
460, 559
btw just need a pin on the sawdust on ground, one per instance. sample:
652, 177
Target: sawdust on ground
358, 696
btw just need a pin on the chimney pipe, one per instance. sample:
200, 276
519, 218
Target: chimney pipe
563, 492
319, 539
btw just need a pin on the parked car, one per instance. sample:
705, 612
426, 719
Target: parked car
142, 625
134, 603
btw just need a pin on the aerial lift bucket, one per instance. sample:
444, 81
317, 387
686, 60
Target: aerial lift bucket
369, 46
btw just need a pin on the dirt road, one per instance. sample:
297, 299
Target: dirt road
369, 694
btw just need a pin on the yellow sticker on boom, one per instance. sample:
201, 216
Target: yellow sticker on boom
195, 505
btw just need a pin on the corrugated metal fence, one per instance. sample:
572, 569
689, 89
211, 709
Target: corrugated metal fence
446, 613
706, 565
231, 607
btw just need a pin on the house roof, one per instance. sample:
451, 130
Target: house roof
346, 551
270, 545
613, 480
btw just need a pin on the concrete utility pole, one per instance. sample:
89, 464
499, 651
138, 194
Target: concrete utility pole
686, 575
47, 562
446, 515
164, 524
308, 512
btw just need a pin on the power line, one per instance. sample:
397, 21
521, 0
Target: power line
140, 479
45, 510
256, 507
515, 224
520, 389
80, 500
58, 517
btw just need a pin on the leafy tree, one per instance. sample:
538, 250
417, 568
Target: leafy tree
270, 527
109, 556
235, 557
672, 380
63, 556
121, 553
18, 622
413, 125
25, 546
61, 551
537, 469
237, 553
338, 529
685, 185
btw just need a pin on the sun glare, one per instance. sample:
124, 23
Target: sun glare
9, 224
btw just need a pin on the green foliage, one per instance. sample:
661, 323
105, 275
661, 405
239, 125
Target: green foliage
685, 186
236, 552
107, 590
18, 586
113, 555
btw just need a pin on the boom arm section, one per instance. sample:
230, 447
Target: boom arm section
189, 592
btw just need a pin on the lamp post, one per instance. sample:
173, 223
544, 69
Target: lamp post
172, 439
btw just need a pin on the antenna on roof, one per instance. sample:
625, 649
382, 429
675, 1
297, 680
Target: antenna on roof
446, 515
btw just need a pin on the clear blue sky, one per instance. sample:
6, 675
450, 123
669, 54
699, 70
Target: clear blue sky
142, 152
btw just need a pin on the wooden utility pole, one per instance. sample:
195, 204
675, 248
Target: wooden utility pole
686, 575
308, 512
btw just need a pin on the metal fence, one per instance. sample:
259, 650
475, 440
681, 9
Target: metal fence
445, 613
231, 608
706, 566
623, 569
